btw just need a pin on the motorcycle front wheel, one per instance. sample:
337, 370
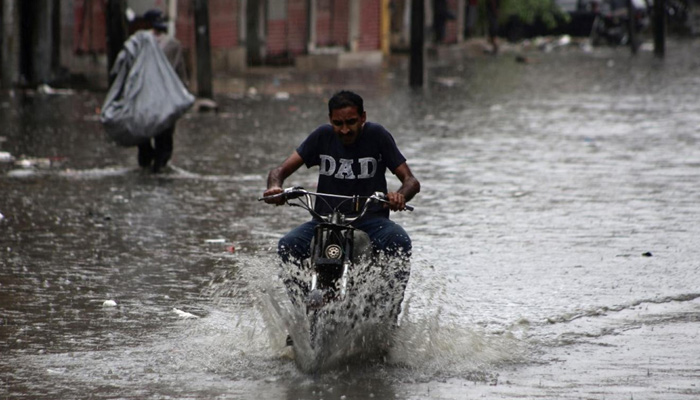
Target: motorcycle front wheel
316, 330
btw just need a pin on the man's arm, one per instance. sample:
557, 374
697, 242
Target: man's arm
276, 177
409, 188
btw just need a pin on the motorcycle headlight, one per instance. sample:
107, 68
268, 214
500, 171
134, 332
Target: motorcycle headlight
333, 251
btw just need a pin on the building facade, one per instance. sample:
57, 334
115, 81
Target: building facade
43, 40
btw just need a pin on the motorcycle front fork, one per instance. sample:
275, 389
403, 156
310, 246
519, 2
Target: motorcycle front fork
317, 296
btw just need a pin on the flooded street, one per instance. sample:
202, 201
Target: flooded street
555, 238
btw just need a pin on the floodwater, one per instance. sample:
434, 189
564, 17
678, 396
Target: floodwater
555, 238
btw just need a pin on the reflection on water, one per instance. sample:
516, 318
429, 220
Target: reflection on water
557, 214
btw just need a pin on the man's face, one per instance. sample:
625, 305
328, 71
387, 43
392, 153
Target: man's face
347, 124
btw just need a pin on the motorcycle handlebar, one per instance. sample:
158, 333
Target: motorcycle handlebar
288, 194
297, 191
379, 196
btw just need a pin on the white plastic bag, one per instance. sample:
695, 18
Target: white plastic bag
146, 96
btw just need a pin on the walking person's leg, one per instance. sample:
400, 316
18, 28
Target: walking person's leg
146, 153
163, 148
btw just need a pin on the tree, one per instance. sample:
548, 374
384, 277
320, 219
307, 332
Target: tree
528, 11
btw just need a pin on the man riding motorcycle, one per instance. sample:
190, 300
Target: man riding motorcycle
352, 155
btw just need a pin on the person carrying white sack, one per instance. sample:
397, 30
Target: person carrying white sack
155, 152
148, 93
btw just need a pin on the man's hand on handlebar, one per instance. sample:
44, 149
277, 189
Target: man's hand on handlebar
397, 202
278, 200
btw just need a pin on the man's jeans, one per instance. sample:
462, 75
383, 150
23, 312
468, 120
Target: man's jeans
386, 236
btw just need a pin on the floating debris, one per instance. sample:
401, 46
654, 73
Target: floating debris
523, 59
449, 81
40, 162
204, 105
46, 89
109, 303
21, 173
184, 314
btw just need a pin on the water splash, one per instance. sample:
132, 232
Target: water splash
357, 326
422, 344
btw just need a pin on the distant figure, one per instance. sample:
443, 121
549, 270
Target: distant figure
440, 16
471, 13
155, 152
492, 7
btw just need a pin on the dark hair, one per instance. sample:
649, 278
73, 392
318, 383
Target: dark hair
346, 98
156, 19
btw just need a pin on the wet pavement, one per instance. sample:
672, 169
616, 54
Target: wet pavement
555, 238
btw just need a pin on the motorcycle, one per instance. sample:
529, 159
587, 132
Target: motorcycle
612, 21
339, 287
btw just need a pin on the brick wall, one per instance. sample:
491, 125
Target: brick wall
276, 37
184, 25
288, 36
332, 27
297, 34
324, 23
341, 27
223, 23
451, 31
89, 33
370, 11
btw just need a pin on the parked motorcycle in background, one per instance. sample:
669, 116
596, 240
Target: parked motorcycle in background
611, 25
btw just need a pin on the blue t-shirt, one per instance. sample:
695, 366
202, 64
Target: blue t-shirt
356, 169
